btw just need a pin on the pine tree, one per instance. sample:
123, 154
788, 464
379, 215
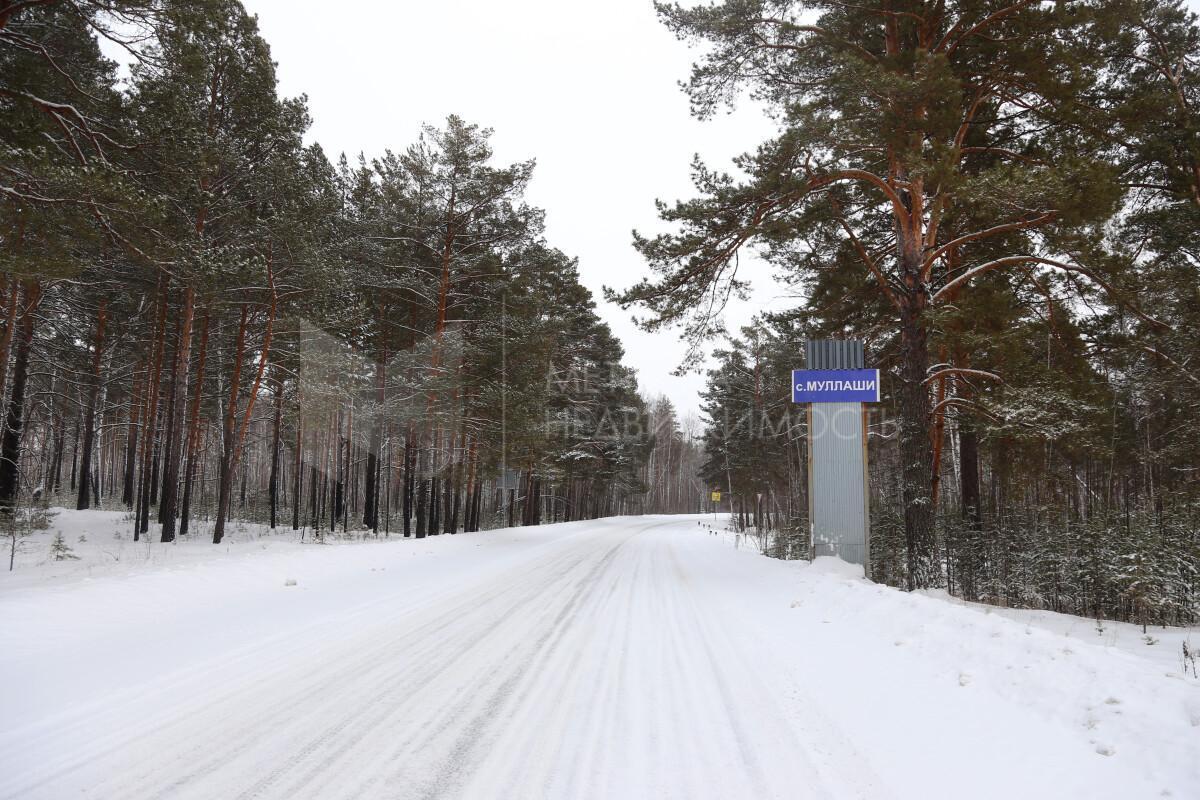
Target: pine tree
917, 137
223, 147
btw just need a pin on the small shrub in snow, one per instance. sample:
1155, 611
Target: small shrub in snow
15, 533
39, 518
290, 582
16, 525
60, 550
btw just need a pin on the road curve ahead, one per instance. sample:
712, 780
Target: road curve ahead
627, 658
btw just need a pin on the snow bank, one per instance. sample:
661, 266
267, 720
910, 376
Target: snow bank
926, 680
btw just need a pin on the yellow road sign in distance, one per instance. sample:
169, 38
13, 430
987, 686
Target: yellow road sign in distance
716, 497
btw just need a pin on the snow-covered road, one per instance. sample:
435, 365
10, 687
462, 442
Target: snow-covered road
624, 658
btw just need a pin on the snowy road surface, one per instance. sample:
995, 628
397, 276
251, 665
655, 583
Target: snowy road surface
624, 658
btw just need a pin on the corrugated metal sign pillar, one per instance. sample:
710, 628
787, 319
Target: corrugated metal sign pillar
838, 512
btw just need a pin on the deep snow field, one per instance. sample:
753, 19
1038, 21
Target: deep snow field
634, 657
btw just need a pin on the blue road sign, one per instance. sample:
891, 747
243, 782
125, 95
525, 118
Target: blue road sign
835, 386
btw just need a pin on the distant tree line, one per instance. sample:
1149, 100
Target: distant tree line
1002, 198
203, 319
671, 474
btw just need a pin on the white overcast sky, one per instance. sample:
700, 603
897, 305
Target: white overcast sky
589, 90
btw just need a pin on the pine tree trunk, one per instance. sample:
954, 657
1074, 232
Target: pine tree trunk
477, 506
194, 432
233, 449
370, 484
409, 482
298, 467
242, 487
968, 454
422, 498
387, 488
435, 484
938, 438
168, 506
155, 468
371, 501
10, 329
166, 453
916, 452
469, 490
14, 425
336, 510
273, 479
347, 482
456, 490
150, 417
435, 505
60, 440
189, 480
89, 418
314, 491
131, 441
225, 472
448, 486
526, 487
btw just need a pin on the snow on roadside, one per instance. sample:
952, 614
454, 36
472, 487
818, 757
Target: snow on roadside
101, 544
1160, 644
883, 656
185, 603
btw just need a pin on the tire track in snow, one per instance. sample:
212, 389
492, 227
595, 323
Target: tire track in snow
432, 647
476, 633
511, 669
322, 687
